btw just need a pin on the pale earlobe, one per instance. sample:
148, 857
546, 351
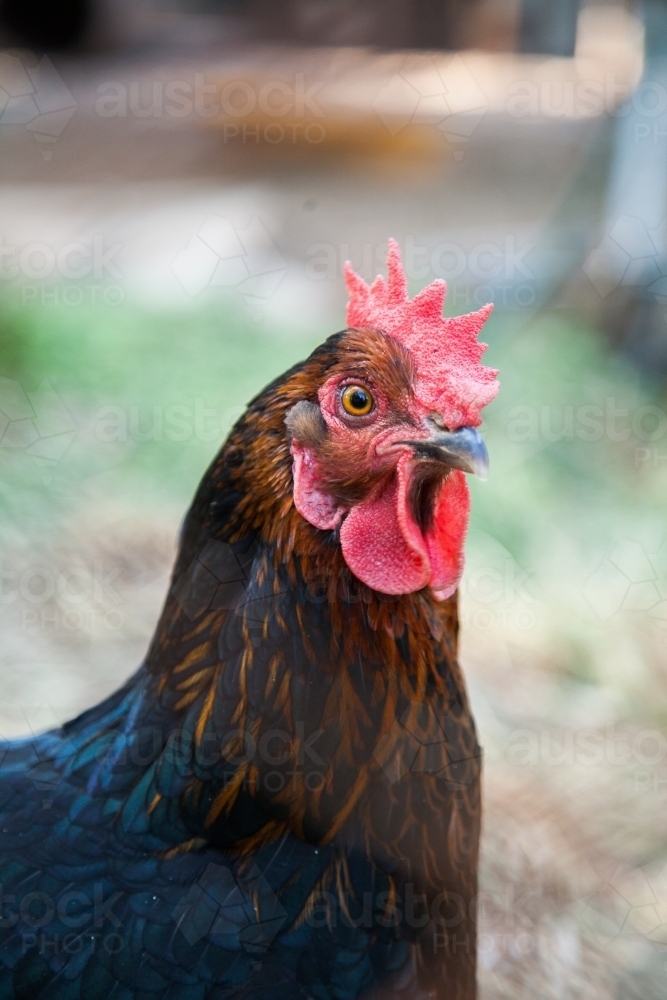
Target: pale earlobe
316, 506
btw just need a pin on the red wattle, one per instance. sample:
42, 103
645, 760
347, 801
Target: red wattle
444, 540
385, 548
381, 542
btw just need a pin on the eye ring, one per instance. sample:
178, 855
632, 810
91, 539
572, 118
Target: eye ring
356, 400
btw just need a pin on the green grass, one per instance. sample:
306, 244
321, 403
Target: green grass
152, 396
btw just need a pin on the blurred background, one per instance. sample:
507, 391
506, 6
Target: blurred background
180, 184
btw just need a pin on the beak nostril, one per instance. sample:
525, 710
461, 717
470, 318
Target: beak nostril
438, 421
462, 449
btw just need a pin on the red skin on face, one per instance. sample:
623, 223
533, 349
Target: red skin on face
381, 541
385, 548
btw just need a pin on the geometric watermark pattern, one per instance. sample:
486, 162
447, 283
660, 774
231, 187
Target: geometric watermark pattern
421, 743
37, 422
629, 580
221, 255
627, 255
222, 906
36, 97
422, 92
630, 900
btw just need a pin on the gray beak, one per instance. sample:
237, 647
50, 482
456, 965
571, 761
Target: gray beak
460, 449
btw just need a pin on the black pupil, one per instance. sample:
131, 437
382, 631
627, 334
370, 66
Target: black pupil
358, 399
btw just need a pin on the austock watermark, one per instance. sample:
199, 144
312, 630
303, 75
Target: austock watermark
224, 578
421, 90
588, 747
295, 108
46, 597
607, 419
496, 595
583, 97
508, 917
70, 274
226, 905
641, 754
488, 271
228, 908
279, 760
290, 105
177, 422
244, 259
66, 924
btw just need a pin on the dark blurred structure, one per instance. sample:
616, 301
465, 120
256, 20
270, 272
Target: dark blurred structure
416, 24
45, 25
544, 26
630, 265
531, 26
548, 27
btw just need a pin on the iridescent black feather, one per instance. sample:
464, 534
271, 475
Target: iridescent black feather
282, 803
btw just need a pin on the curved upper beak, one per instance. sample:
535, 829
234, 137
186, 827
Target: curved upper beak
462, 448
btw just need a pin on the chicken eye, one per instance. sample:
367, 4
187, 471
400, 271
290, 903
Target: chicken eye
356, 400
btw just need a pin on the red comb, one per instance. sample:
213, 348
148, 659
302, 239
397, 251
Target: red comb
450, 379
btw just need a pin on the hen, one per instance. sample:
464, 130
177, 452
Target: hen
283, 802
